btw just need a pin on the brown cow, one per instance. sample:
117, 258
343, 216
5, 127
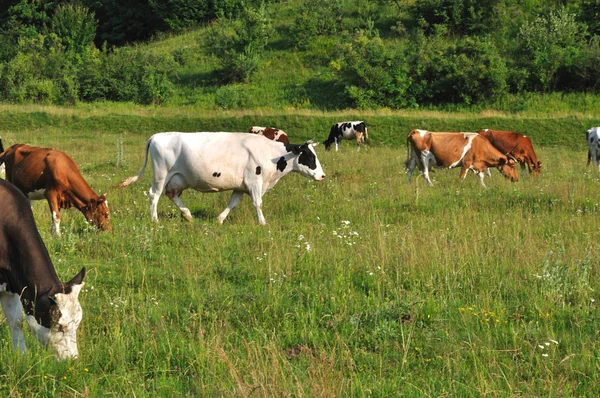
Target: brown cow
517, 145
447, 150
270, 133
45, 173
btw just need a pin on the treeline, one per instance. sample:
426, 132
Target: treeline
382, 53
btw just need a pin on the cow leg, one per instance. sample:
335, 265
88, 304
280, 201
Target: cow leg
154, 194
173, 190
480, 174
13, 310
256, 195
589, 157
337, 144
411, 163
359, 138
53, 202
236, 196
425, 171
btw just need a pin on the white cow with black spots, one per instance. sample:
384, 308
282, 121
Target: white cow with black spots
214, 162
347, 131
593, 140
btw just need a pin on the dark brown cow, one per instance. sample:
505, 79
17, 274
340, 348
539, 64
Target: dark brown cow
270, 133
447, 150
28, 281
517, 145
45, 173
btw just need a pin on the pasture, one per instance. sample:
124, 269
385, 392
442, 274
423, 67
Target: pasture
359, 285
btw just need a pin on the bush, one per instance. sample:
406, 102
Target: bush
467, 71
379, 79
128, 74
315, 18
240, 44
457, 16
549, 43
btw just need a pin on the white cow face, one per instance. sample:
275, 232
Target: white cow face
60, 316
307, 163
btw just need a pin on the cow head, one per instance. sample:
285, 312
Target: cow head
56, 318
307, 162
97, 213
506, 165
536, 169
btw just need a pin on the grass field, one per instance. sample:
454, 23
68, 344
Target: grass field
359, 285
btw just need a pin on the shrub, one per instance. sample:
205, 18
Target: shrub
549, 43
458, 16
240, 44
467, 71
315, 18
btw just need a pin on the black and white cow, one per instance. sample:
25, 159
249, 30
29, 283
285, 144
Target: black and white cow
593, 140
215, 162
347, 131
28, 280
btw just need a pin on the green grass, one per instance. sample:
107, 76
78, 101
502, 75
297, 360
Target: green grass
359, 285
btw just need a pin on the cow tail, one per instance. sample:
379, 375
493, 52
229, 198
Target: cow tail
133, 179
367, 140
3, 152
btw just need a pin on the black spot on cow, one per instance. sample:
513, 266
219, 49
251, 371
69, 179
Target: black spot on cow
308, 158
281, 164
215, 174
258, 170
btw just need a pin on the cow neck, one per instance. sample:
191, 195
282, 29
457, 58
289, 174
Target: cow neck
37, 275
79, 195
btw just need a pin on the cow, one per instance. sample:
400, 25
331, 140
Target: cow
347, 131
471, 151
592, 137
29, 281
270, 133
516, 145
45, 173
215, 162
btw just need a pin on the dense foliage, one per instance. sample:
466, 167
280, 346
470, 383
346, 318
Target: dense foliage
333, 55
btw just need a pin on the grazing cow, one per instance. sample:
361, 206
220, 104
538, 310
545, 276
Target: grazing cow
28, 281
592, 137
214, 162
44, 173
517, 145
447, 150
271, 133
347, 131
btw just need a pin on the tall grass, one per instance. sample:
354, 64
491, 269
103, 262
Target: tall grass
359, 285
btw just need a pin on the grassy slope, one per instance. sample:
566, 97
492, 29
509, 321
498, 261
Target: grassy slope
404, 289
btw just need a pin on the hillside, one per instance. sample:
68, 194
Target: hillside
307, 54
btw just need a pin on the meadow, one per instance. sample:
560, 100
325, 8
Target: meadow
360, 285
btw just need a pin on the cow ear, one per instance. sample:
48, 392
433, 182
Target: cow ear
315, 144
101, 198
77, 279
503, 161
52, 299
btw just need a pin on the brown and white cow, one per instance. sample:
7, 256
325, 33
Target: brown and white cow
270, 133
28, 281
516, 145
45, 173
471, 151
